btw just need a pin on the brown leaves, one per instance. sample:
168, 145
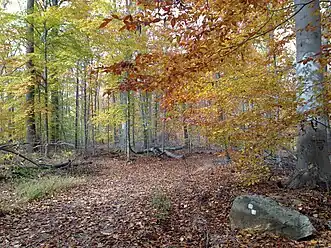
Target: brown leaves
137, 76
118, 68
105, 22
114, 209
130, 23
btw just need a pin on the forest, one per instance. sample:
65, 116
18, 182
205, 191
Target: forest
165, 123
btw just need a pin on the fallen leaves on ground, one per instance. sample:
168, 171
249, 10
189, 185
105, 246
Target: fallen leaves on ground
114, 209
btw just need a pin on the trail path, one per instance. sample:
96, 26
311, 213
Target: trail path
113, 209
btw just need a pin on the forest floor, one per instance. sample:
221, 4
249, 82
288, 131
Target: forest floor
154, 202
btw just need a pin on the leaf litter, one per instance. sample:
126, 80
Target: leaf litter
114, 208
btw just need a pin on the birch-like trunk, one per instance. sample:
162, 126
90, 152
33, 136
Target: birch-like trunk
312, 142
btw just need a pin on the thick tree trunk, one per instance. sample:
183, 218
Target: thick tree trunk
312, 142
30, 120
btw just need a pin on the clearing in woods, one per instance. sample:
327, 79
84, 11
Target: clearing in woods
153, 203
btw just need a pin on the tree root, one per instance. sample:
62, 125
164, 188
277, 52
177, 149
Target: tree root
309, 178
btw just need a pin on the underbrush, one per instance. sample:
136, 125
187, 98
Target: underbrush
44, 187
161, 204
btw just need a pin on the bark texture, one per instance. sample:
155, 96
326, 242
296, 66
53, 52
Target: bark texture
312, 144
30, 120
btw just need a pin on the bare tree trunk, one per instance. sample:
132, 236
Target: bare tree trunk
326, 42
93, 109
163, 129
128, 113
185, 129
115, 138
150, 115
85, 114
55, 126
30, 119
40, 125
122, 129
65, 111
77, 109
133, 114
46, 84
312, 142
186, 136
155, 118
108, 126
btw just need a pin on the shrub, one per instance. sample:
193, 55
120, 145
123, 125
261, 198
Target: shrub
162, 204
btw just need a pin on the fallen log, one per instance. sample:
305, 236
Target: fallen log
3, 148
172, 155
42, 165
174, 148
158, 152
70, 164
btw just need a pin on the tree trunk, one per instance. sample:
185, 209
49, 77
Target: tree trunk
164, 113
143, 119
85, 111
128, 124
133, 123
312, 142
155, 118
55, 132
122, 129
46, 85
55, 113
115, 136
30, 120
108, 126
77, 110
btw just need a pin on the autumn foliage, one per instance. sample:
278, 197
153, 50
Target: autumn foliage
230, 63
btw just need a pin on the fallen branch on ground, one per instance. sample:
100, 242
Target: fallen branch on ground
158, 152
42, 165
3, 148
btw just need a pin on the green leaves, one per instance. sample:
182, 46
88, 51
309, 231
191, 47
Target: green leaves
113, 116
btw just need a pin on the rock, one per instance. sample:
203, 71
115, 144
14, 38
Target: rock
261, 213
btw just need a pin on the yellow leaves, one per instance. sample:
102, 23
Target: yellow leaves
253, 168
114, 115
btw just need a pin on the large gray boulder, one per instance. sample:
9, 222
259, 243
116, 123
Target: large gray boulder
261, 213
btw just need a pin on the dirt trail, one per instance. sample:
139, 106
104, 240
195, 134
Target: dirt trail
111, 203
113, 209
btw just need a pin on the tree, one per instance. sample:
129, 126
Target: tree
312, 144
30, 121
